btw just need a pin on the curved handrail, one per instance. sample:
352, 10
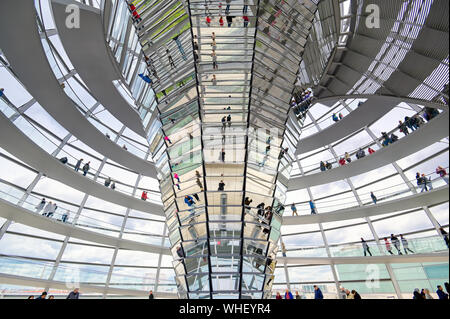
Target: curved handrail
72, 94
9, 262
365, 196
70, 217
30, 130
429, 244
372, 144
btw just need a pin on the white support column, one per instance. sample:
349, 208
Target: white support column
288, 282
158, 270
116, 249
324, 238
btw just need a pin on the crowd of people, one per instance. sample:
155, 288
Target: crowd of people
346, 159
347, 294
228, 17
288, 295
410, 123
424, 294
423, 182
301, 103
74, 294
397, 243
353, 294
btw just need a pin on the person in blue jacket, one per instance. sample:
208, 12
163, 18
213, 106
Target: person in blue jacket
288, 295
335, 118
145, 78
441, 294
189, 200
317, 293
313, 207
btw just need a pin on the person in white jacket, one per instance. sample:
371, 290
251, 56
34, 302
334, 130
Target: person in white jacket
47, 209
52, 210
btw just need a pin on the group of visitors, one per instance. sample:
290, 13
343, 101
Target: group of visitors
395, 241
228, 17
85, 169
226, 121
425, 293
346, 159
267, 152
337, 118
288, 295
264, 212
110, 183
136, 17
410, 123
347, 294
424, 182
353, 294
75, 294
301, 103
49, 209
312, 206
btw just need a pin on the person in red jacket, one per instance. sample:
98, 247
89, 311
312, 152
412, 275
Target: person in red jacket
136, 16
342, 161
221, 21
208, 21
371, 151
442, 173
144, 196
246, 20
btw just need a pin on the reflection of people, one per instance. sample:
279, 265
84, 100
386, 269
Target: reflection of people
180, 252
145, 78
445, 235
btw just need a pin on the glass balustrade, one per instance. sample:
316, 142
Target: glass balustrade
14, 196
383, 195
49, 145
37, 269
425, 245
